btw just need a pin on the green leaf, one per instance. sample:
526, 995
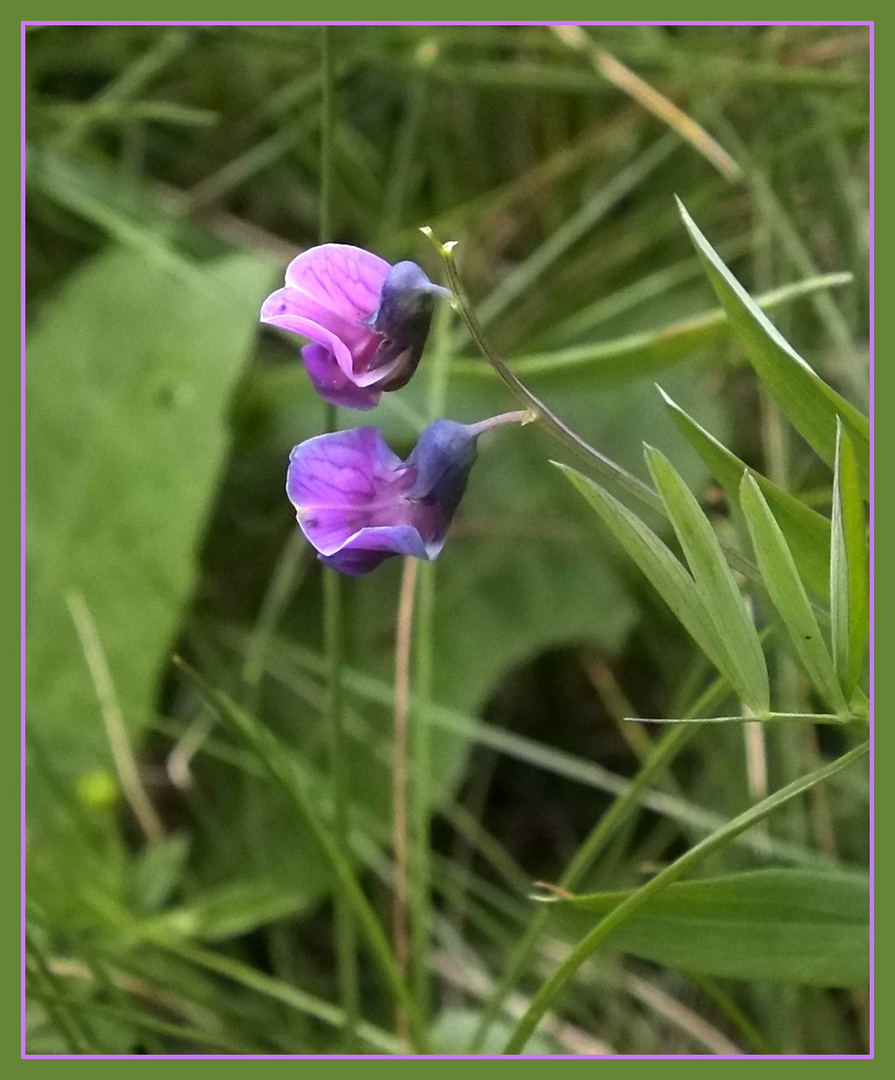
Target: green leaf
799, 926
668, 576
787, 593
129, 376
237, 908
807, 532
289, 775
732, 624
849, 578
640, 898
810, 404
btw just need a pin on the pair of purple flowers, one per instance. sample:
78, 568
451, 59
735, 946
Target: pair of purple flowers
367, 322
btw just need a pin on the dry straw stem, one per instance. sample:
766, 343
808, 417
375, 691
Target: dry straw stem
122, 751
621, 76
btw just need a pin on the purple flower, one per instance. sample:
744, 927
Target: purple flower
367, 321
358, 503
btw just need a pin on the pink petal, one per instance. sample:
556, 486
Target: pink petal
344, 279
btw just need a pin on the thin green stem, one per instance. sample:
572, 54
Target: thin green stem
420, 897
326, 136
636, 900
423, 659
601, 464
334, 629
403, 644
619, 812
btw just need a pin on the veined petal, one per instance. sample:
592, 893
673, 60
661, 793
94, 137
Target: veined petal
347, 280
344, 482
372, 318
358, 503
349, 344
286, 305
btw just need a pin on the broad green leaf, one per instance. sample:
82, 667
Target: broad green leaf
784, 586
810, 404
733, 627
668, 576
129, 375
782, 925
849, 579
807, 532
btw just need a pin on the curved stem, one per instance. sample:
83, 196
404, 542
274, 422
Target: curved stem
636, 900
601, 464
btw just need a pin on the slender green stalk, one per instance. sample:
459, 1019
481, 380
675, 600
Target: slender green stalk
403, 646
281, 767
601, 464
326, 136
334, 629
606, 828
628, 907
424, 652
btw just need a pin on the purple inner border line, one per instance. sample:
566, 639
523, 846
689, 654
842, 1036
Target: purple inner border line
870, 24
457, 22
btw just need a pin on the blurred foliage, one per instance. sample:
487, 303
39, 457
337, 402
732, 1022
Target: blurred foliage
172, 174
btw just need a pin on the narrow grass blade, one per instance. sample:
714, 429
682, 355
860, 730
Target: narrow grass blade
787, 593
769, 718
734, 630
525, 276
849, 580
809, 403
646, 893
277, 761
807, 532
676, 587
637, 354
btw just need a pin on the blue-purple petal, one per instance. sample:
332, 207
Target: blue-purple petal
358, 503
366, 549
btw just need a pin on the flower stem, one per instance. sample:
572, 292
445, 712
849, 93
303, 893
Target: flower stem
523, 416
403, 640
600, 464
423, 658
334, 630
